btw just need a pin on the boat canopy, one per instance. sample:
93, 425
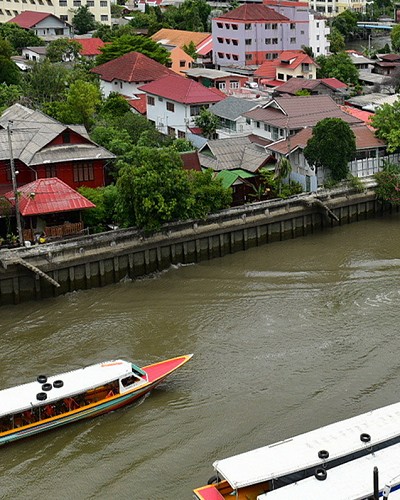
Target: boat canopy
352, 480
19, 398
301, 452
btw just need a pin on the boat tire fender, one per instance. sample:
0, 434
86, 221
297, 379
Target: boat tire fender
365, 438
214, 479
47, 387
323, 454
41, 396
320, 474
42, 379
58, 383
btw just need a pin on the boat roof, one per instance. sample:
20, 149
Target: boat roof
353, 480
301, 452
21, 397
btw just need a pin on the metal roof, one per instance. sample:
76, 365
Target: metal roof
21, 397
232, 108
301, 452
49, 195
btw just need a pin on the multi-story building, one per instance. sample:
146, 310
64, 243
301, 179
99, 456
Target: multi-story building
318, 34
332, 8
253, 33
64, 9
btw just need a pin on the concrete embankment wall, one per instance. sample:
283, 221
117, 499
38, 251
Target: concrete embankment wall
98, 260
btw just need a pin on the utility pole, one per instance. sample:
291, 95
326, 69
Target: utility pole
14, 184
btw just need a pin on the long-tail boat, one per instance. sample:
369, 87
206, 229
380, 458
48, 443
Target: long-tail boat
49, 402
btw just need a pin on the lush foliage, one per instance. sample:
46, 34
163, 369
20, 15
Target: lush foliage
336, 41
388, 184
133, 43
83, 20
63, 49
395, 38
387, 123
190, 49
9, 72
45, 82
273, 187
19, 37
208, 122
322, 148
337, 66
105, 211
346, 24
9, 95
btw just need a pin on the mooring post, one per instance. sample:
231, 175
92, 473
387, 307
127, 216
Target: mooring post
376, 484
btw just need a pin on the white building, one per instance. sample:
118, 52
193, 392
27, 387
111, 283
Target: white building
63, 9
318, 34
173, 102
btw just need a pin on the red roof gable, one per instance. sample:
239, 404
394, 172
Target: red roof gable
30, 18
253, 12
50, 195
294, 57
183, 90
365, 116
132, 67
90, 46
140, 103
334, 82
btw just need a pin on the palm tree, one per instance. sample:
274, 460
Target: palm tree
283, 169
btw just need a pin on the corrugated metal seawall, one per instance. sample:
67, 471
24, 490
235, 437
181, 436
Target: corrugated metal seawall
98, 260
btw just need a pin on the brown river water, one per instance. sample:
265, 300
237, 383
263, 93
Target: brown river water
286, 337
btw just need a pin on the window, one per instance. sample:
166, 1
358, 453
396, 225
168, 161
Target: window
160, 99
281, 76
150, 100
234, 26
249, 57
234, 84
171, 131
258, 124
182, 64
317, 37
228, 41
247, 26
267, 128
8, 12
181, 135
51, 171
235, 57
104, 17
221, 85
302, 32
317, 25
227, 26
219, 25
66, 137
274, 41
248, 41
77, 3
228, 56
235, 42
268, 41
83, 172
274, 26
195, 110
103, 3
90, 3
292, 26
293, 40
221, 55
64, 18
170, 107
220, 40
267, 26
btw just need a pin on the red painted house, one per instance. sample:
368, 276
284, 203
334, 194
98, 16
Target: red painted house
42, 147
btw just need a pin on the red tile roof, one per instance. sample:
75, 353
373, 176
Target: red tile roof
183, 90
253, 12
287, 59
29, 18
132, 67
191, 160
90, 46
140, 103
365, 116
334, 82
50, 195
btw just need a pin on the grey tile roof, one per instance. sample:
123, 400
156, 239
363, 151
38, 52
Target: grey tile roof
232, 108
33, 130
231, 153
65, 152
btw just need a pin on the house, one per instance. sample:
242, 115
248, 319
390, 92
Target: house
230, 112
282, 117
127, 73
289, 64
44, 24
324, 86
90, 47
228, 83
386, 64
51, 207
173, 102
34, 54
359, 60
237, 162
181, 38
42, 147
370, 102
180, 61
61, 9
252, 33
369, 158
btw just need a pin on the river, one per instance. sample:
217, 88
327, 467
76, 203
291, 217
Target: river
286, 337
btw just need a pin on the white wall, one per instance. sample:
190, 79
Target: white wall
124, 88
318, 33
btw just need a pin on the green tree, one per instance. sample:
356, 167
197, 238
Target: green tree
62, 49
207, 194
9, 95
337, 66
308, 51
46, 82
283, 170
19, 37
9, 72
83, 20
336, 41
105, 199
386, 121
133, 43
115, 105
190, 49
388, 184
6, 49
153, 189
302, 92
346, 24
114, 139
208, 122
322, 149
395, 38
